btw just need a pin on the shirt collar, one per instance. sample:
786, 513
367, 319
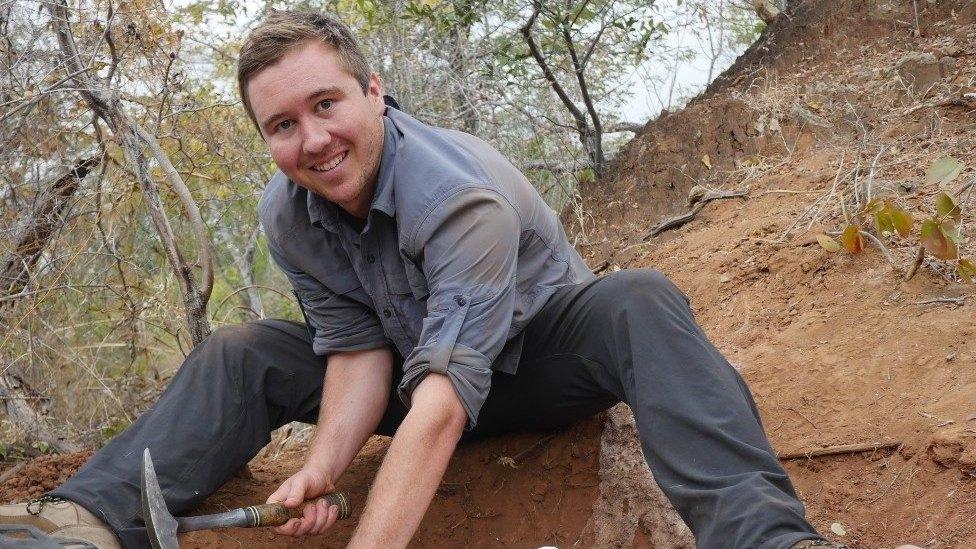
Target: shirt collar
325, 214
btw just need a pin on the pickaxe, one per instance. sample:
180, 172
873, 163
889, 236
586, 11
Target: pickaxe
163, 527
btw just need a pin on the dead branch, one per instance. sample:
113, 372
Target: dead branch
957, 301
919, 257
568, 167
634, 127
41, 224
134, 139
678, 221
964, 100
603, 266
839, 450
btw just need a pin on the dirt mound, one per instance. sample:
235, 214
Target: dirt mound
40, 475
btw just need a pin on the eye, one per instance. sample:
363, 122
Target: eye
324, 105
284, 125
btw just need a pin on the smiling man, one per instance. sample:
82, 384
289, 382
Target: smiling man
425, 263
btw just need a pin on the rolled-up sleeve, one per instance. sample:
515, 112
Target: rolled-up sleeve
469, 244
336, 321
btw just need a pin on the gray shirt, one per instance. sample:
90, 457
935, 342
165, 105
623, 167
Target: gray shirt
458, 253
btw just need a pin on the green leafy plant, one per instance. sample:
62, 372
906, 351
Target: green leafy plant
938, 234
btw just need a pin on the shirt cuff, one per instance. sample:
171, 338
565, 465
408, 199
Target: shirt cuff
468, 369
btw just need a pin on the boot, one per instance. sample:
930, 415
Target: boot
61, 518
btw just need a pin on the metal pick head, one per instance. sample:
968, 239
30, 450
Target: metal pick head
160, 524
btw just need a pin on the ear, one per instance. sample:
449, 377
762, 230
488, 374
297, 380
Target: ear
375, 93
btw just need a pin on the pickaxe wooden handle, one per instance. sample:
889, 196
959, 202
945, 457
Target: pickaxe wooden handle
268, 514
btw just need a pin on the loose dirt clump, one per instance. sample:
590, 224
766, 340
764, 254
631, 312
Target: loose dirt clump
40, 475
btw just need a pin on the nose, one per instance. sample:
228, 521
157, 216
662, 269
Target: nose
315, 137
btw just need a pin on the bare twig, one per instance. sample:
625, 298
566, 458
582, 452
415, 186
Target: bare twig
678, 221
839, 450
919, 257
965, 100
957, 301
884, 250
134, 139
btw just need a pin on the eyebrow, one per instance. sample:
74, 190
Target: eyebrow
328, 90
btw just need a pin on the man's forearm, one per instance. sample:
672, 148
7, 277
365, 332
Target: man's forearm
354, 398
414, 466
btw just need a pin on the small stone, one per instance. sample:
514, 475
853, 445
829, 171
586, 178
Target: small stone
919, 70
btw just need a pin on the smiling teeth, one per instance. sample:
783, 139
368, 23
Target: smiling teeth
330, 165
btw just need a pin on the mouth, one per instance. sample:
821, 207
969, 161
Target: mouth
331, 164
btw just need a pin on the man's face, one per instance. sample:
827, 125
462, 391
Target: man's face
323, 132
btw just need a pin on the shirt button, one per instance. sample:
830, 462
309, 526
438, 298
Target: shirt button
370, 259
460, 300
387, 313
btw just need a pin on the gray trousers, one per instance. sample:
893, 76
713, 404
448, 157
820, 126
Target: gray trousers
629, 336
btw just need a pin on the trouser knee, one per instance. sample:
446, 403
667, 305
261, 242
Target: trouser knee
647, 292
229, 355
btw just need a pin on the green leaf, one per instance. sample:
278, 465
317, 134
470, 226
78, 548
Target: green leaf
828, 243
936, 241
946, 207
966, 270
902, 221
884, 222
852, 239
944, 170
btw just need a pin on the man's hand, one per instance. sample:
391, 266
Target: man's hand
317, 517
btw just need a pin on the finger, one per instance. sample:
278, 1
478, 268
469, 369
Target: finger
321, 517
289, 527
279, 495
333, 517
308, 520
296, 493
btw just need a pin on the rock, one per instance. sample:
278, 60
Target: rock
920, 71
804, 116
629, 497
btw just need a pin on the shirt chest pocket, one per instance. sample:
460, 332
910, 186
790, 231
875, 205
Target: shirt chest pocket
409, 281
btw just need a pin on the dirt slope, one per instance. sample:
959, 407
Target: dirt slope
838, 349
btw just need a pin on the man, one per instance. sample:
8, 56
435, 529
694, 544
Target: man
423, 261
